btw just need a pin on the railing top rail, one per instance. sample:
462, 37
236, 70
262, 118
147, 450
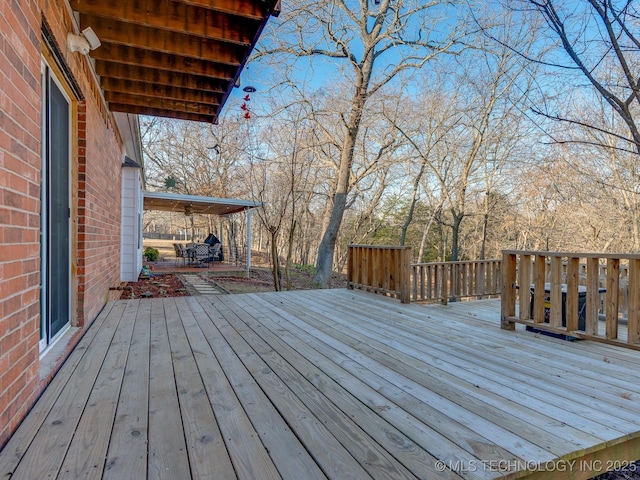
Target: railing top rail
387, 247
626, 256
458, 262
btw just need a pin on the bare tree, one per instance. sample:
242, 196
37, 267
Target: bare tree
465, 137
374, 42
600, 42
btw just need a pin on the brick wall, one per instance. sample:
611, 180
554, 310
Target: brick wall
96, 180
98, 215
19, 210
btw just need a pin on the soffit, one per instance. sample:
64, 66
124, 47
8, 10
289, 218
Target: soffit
173, 202
172, 58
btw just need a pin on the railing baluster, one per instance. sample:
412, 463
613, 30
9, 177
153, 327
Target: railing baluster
540, 264
384, 270
555, 295
524, 282
572, 294
593, 296
613, 285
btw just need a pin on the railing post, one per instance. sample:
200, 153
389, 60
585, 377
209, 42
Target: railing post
508, 297
405, 280
633, 320
350, 266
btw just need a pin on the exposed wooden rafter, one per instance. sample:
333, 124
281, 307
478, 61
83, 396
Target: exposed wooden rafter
172, 58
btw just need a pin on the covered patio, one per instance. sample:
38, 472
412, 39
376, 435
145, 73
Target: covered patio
326, 384
197, 204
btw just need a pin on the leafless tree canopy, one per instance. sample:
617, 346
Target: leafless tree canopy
458, 129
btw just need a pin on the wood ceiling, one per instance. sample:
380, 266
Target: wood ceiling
172, 58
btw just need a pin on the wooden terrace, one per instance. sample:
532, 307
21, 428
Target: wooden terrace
326, 384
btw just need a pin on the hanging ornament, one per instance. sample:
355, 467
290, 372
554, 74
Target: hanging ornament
247, 98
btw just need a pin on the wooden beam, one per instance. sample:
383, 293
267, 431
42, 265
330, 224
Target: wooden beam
243, 8
183, 44
140, 110
159, 77
161, 103
174, 16
160, 91
163, 61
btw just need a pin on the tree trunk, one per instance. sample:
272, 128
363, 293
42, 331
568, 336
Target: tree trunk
425, 234
275, 261
455, 236
407, 222
483, 245
326, 249
287, 267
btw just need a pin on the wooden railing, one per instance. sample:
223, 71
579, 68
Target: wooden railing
582, 294
447, 281
380, 269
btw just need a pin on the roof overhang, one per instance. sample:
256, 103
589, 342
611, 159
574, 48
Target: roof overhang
176, 58
174, 202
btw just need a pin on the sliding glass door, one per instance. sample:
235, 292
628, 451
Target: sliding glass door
55, 209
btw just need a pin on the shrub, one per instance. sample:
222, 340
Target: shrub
151, 254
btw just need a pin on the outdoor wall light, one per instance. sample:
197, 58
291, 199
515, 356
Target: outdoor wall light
83, 43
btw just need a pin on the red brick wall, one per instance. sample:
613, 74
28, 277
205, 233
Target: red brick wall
96, 171
99, 215
19, 210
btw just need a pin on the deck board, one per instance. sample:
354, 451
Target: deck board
323, 384
434, 385
127, 454
336, 384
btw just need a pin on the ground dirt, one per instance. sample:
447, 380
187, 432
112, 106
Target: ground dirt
157, 285
260, 280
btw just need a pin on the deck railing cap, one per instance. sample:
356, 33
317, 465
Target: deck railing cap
626, 256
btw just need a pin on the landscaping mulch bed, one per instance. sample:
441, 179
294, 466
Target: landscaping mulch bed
630, 472
156, 286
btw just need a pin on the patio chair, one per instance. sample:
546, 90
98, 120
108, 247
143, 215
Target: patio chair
214, 252
201, 254
180, 253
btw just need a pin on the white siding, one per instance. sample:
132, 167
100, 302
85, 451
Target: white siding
131, 239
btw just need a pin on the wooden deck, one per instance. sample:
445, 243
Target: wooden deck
333, 384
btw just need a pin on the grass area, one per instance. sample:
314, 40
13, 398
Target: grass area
261, 277
164, 247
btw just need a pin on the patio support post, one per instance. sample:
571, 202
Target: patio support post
249, 214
